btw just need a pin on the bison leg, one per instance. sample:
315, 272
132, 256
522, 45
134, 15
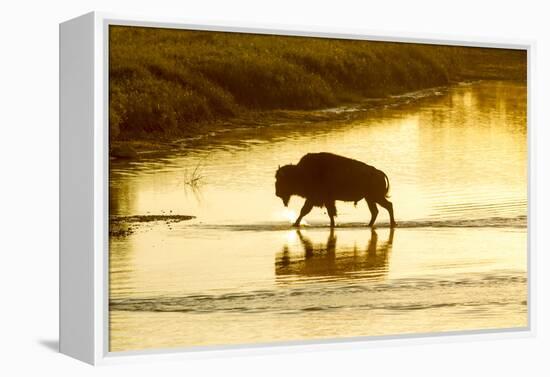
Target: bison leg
308, 206
373, 211
389, 206
331, 209
306, 243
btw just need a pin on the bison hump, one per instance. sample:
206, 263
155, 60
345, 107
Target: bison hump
329, 161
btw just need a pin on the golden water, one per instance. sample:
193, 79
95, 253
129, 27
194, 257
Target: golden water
238, 274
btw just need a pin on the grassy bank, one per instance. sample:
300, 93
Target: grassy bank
170, 83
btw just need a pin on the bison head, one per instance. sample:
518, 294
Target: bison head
285, 182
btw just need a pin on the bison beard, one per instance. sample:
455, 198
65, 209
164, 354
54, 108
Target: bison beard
323, 178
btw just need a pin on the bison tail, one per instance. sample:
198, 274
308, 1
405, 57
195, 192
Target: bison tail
387, 194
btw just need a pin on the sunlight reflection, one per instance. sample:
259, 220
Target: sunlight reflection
291, 237
289, 215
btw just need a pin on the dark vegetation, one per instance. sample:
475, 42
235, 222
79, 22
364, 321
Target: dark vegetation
171, 83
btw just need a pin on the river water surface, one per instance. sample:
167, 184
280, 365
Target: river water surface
239, 274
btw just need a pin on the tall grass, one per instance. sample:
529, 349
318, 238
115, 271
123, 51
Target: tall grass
169, 82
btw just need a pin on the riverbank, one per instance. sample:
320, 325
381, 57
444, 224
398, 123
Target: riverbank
171, 84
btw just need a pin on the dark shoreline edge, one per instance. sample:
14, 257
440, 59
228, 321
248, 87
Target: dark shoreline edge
122, 226
132, 149
129, 149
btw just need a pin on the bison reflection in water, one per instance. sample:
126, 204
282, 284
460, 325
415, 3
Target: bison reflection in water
345, 262
323, 178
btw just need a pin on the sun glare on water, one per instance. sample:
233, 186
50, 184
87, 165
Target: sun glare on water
291, 216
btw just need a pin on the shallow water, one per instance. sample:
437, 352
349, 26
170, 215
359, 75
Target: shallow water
237, 273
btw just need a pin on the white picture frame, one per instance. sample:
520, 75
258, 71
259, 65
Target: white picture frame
84, 190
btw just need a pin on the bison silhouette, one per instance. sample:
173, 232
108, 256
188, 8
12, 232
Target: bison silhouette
323, 178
